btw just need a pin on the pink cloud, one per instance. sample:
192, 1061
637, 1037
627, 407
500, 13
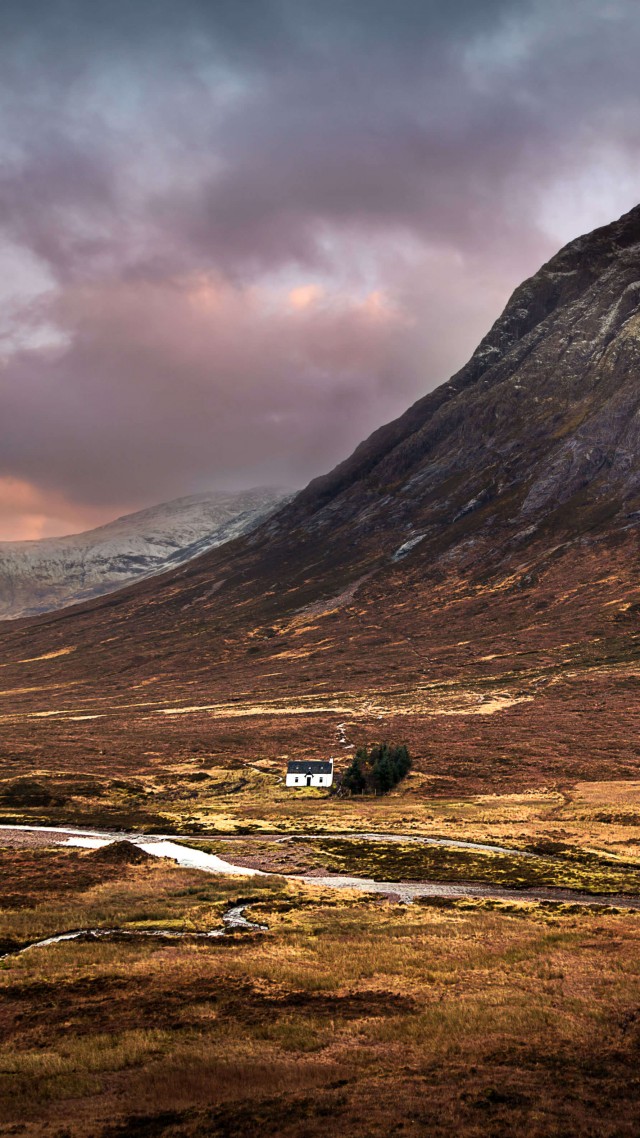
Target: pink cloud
28, 513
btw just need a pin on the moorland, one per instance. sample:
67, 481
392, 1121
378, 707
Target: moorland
466, 585
470, 1017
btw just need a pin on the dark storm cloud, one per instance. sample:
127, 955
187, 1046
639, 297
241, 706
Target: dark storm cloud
241, 234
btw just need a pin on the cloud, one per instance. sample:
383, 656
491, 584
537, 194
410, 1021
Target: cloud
242, 236
197, 378
29, 513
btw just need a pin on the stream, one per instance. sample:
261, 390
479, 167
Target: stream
233, 920
161, 845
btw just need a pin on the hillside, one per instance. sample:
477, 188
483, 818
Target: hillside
37, 576
465, 581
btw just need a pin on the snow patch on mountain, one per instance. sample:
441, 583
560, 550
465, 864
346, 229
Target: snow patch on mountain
407, 547
38, 576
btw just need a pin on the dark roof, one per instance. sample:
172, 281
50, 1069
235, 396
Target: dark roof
310, 766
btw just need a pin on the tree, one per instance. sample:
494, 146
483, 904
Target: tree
381, 768
354, 778
383, 772
403, 762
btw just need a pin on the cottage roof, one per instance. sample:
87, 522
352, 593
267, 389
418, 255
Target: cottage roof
310, 766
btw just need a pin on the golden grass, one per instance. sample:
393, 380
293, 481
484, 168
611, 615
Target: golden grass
559, 867
91, 1054
351, 1012
341, 987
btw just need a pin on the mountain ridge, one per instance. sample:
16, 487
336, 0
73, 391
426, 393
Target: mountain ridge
465, 580
486, 466
40, 575
562, 281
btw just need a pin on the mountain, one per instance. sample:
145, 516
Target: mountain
465, 581
544, 414
37, 576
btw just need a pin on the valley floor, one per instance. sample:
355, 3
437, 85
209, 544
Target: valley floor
349, 1012
509, 1009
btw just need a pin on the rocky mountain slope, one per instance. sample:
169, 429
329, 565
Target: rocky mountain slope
36, 576
466, 581
544, 414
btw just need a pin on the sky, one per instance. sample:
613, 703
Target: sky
239, 235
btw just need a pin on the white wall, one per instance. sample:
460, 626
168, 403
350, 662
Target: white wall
300, 780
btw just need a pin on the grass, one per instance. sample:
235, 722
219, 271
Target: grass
140, 897
451, 1017
590, 815
97, 1053
351, 1013
415, 862
542, 864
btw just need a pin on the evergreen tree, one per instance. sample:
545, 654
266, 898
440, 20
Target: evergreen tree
354, 779
382, 771
381, 768
403, 761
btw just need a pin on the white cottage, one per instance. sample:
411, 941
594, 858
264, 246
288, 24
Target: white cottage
310, 772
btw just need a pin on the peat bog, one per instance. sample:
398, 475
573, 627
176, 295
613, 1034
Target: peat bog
477, 1014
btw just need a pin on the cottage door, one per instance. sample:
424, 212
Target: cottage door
308, 780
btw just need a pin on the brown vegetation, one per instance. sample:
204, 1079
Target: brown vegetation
458, 1018
504, 649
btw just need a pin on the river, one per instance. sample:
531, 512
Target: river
161, 845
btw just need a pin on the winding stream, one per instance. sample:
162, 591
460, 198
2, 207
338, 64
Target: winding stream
95, 838
233, 920
161, 845
408, 839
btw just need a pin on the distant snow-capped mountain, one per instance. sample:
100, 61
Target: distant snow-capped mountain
38, 576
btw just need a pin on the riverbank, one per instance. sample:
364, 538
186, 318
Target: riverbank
497, 860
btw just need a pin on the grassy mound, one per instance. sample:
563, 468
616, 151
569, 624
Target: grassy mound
120, 852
